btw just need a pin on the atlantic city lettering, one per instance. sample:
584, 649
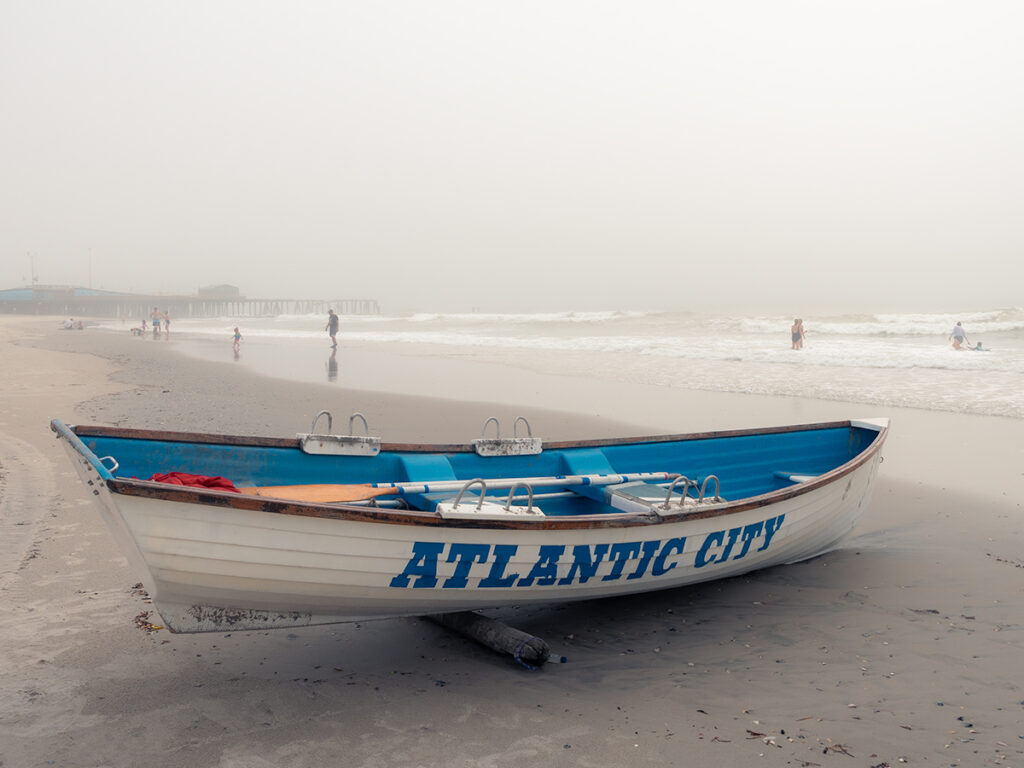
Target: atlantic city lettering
627, 560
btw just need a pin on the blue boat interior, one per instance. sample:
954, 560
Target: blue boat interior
745, 465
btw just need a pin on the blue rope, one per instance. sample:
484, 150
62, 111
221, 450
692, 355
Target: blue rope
518, 657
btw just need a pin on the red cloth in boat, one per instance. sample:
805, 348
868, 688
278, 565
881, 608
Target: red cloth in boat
198, 481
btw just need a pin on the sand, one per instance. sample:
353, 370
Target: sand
900, 647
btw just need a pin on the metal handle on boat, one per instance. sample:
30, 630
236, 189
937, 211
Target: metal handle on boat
515, 427
330, 422
497, 428
686, 487
512, 492
703, 487
353, 417
113, 461
483, 490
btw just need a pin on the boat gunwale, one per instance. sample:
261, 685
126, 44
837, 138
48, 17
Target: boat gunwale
381, 515
212, 438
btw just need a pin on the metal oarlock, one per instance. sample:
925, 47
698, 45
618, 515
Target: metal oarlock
512, 493
339, 445
357, 415
488, 510
515, 427
330, 421
466, 487
671, 489
703, 488
509, 446
687, 503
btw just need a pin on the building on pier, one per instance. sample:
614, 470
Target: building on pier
215, 301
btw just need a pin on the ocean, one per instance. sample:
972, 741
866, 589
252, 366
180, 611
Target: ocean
903, 360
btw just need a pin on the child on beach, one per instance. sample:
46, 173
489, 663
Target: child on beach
237, 339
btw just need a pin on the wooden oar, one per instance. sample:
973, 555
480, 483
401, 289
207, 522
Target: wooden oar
328, 493
319, 494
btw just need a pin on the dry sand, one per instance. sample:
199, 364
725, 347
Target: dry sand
901, 647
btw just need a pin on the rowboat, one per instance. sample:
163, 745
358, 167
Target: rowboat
235, 532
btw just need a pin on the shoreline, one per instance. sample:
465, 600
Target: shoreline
896, 646
911, 374
395, 389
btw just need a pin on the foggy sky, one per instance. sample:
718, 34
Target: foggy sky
519, 155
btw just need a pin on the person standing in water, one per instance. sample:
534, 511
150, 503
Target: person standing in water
797, 333
237, 342
959, 336
332, 326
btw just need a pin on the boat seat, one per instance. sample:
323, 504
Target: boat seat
426, 467
794, 477
641, 491
590, 461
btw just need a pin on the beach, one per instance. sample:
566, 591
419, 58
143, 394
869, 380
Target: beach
900, 647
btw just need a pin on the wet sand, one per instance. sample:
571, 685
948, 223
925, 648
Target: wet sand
904, 644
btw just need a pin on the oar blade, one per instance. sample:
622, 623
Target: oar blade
323, 493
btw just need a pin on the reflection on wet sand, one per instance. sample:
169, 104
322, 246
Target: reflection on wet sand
332, 366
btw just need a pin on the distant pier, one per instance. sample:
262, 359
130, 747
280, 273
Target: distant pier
83, 302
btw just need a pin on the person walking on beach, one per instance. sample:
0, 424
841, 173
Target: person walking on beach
237, 340
959, 336
797, 333
156, 322
167, 322
332, 326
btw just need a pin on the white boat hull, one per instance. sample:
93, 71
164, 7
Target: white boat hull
222, 568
